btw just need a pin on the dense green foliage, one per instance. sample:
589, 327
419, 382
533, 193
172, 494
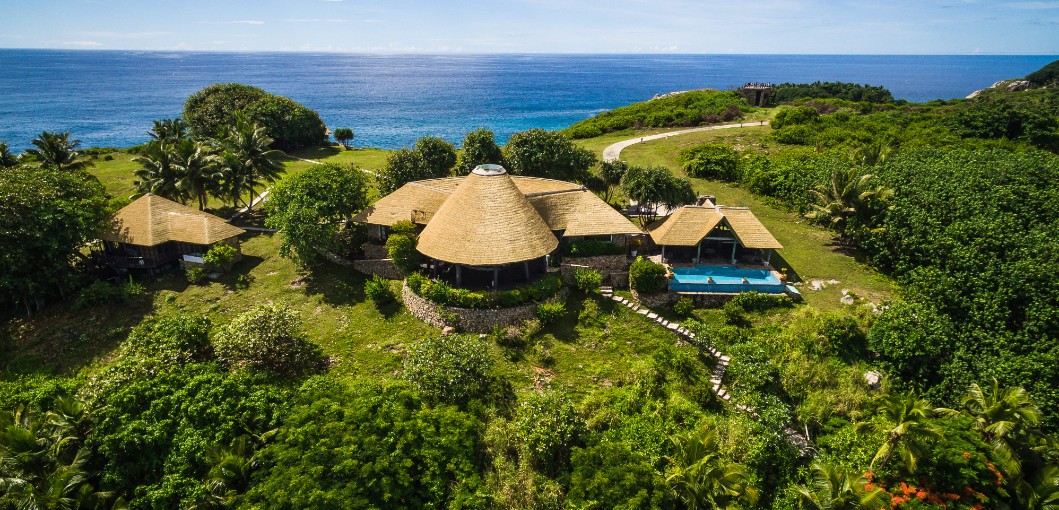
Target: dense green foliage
654, 187
788, 92
57, 151
691, 108
46, 215
541, 153
308, 208
401, 246
343, 136
587, 279
479, 148
369, 446
290, 125
441, 293
1045, 76
431, 158
710, 161
591, 248
450, 370
268, 338
646, 276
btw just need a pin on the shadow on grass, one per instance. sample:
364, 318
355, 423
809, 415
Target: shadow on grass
780, 264
849, 251
316, 152
337, 285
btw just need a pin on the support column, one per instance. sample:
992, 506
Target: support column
496, 277
525, 266
768, 256
734, 244
663, 253
459, 275
698, 252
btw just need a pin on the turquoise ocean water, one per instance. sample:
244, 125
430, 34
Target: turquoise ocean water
108, 98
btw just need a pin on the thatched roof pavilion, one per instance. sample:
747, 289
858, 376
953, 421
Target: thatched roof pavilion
486, 221
153, 231
490, 220
696, 225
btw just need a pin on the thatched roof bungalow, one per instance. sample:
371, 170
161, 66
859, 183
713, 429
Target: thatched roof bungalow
708, 230
153, 232
493, 222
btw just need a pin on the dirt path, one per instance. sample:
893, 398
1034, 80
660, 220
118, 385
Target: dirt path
613, 151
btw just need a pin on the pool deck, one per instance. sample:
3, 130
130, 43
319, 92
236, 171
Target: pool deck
726, 289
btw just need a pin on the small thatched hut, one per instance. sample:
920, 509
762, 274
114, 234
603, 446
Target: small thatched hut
695, 231
153, 232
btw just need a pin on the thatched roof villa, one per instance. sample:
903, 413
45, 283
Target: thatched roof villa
499, 226
706, 231
152, 232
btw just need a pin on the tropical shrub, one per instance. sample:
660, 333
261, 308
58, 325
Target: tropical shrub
220, 257
710, 161
267, 337
587, 280
402, 250
195, 273
647, 277
591, 248
452, 370
684, 306
479, 148
551, 311
788, 92
611, 475
548, 428
758, 302
378, 290
100, 292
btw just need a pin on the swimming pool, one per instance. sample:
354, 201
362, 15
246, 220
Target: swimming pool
727, 279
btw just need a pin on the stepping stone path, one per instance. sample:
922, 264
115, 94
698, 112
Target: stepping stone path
717, 376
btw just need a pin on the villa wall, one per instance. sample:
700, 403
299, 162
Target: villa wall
470, 320
374, 251
654, 300
382, 267
601, 263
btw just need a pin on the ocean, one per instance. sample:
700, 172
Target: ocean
109, 98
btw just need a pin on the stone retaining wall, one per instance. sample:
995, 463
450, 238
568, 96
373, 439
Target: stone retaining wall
470, 320
374, 251
654, 300
601, 263
382, 267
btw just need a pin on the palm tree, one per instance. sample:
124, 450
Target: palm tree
701, 478
6, 158
848, 195
1002, 416
1042, 493
169, 130
906, 423
836, 488
158, 174
197, 169
56, 150
247, 160
873, 154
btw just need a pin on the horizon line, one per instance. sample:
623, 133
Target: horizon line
451, 53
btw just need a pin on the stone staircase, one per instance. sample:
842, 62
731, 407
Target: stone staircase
717, 376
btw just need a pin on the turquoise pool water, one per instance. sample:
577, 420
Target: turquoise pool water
728, 279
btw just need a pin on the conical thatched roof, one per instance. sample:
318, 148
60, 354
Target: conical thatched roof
486, 221
152, 220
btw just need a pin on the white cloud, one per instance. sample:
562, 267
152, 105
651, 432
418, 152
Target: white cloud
125, 35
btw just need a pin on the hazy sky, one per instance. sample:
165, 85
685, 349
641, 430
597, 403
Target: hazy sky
539, 26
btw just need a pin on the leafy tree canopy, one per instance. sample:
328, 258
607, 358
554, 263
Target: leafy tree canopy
479, 148
541, 153
308, 208
290, 125
692, 108
46, 215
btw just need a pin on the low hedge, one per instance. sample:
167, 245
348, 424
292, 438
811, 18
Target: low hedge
647, 277
441, 293
591, 248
